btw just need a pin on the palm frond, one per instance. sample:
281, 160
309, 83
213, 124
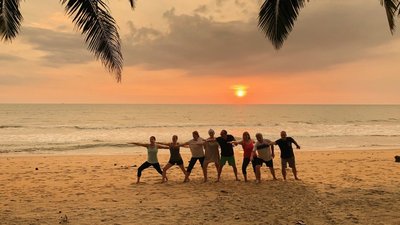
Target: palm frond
390, 8
10, 19
276, 19
93, 18
132, 3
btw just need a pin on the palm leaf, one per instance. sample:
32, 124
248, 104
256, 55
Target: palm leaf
276, 19
93, 18
390, 8
10, 19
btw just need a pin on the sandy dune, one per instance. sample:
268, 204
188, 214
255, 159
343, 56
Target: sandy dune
343, 187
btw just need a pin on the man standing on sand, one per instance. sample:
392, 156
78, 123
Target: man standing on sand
263, 152
196, 146
287, 155
225, 143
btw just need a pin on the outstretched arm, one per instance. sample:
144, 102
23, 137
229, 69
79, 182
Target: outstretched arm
138, 144
163, 146
294, 142
236, 142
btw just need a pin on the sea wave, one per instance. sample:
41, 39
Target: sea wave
58, 148
10, 126
133, 127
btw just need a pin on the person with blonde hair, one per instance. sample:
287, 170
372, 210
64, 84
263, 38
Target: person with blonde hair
211, 153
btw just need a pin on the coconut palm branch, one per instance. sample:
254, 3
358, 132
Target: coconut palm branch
93, 18
391, 7
132, 2
276, 19
10, 19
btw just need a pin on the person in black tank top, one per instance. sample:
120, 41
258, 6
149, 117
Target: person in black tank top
175, 157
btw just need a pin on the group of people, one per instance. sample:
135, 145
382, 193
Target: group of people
206, 151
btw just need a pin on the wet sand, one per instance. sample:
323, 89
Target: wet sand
336, 187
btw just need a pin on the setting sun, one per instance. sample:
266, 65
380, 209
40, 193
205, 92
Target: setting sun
240, 90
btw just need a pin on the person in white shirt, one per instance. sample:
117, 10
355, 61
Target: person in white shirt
263, 152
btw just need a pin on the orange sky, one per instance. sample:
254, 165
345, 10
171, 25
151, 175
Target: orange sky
193, 52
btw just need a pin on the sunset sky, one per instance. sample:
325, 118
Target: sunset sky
191, 52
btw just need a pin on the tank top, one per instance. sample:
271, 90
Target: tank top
247, 149
174, 153
152, 154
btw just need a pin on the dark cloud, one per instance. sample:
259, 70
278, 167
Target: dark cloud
60, 48
202, 46
201, 9
7, 57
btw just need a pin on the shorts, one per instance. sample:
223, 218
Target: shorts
176, 162
260, 162
291, 161
230, 159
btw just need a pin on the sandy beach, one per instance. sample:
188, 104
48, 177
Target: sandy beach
336, 187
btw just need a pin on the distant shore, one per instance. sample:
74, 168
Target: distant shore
336, 187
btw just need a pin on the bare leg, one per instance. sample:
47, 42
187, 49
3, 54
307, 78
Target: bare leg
245, 177
164, 174
183, 169
219, 172
138, 180
272, 172
295, 173
235, 172
205, 165
258, 173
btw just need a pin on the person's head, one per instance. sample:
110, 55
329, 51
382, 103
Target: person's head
195, 135
152, 139
259, 137
246, 136
283, 134
174, 138
224, 134
211, 132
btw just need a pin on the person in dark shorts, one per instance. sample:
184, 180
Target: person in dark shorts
175, 157
196, 146
152, 160
287, 154
227, 155
263, 152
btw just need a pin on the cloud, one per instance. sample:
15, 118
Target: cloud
201, 9
200, 45
60, 48
7, 57
17, 80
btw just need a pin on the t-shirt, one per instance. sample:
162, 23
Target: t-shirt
152, 154
226, 148
196, 147
247, 149
264, 149
285, 145
175, 155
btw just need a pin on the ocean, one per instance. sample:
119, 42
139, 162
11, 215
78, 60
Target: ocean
105, 129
